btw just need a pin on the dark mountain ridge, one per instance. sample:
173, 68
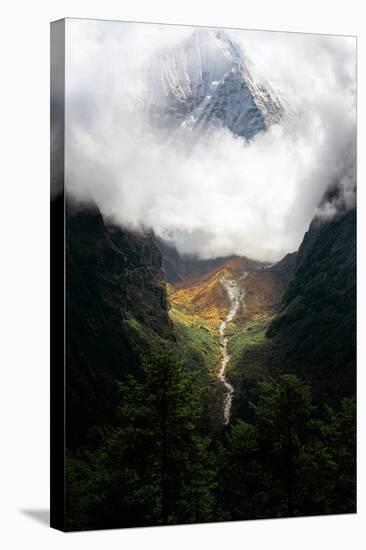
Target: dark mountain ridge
180, 268
112, 275
316, 328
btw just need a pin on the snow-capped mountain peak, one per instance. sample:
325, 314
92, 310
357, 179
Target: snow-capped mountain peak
207, 82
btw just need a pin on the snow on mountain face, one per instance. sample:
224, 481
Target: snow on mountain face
206, 82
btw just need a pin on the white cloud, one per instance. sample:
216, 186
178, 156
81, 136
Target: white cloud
224, 196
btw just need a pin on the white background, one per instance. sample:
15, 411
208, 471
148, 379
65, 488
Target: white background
24, 273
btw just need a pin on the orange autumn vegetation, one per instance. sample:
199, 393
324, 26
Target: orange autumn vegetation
206, 299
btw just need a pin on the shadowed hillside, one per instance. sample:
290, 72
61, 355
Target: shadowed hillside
313, 334
113, 276
316, 329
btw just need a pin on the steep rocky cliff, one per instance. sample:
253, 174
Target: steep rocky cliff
113, 277
316, 329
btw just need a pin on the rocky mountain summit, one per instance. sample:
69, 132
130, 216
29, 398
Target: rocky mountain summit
207, 81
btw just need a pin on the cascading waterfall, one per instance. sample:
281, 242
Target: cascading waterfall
236, 296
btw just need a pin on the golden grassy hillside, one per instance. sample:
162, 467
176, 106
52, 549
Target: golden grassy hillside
207, 299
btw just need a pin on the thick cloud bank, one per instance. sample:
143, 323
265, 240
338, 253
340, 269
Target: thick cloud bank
221, 195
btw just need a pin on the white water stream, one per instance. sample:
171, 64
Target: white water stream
236, 296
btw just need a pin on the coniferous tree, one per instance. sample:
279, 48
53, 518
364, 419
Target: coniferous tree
155, 463
240, 473
285, 424
338, 433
